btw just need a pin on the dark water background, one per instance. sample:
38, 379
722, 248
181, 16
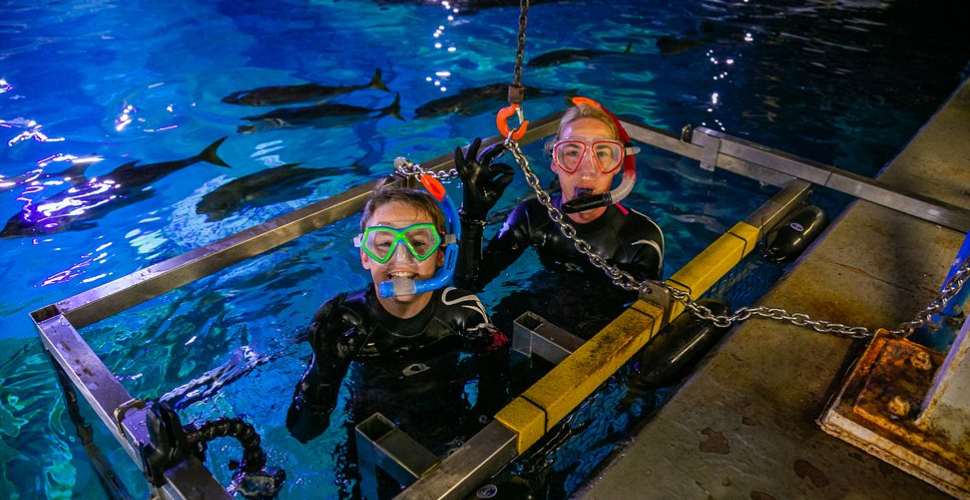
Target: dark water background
843, 83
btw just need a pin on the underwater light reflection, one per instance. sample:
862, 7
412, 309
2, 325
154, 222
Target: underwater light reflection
32, 131
98, 256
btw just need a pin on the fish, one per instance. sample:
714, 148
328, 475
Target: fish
73, 175
566, 56
319, 116
673, 45
74, 208
266, 187
478, 100
289, 94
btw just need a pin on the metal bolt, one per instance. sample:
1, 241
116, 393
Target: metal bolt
899, 407
921, 360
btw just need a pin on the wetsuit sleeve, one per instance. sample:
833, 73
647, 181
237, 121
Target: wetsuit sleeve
315, 395
491, 348
476, 268
645, 241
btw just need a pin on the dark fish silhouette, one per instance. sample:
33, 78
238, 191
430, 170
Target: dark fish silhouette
266, 187
288, 94
73, 175
93, 199
566, 56
673, 45
478, 100
319, 116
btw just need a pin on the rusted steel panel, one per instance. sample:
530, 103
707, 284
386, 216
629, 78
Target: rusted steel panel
880, 409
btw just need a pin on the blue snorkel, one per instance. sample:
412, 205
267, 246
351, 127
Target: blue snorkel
403, 286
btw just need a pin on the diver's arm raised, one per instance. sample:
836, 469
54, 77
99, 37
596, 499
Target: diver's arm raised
483, 184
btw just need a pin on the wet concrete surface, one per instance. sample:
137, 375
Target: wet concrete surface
743, 426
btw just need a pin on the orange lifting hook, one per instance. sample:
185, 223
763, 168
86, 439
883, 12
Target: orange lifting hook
433, 186
502, 118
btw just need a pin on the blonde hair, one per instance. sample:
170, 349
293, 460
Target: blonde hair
417, 199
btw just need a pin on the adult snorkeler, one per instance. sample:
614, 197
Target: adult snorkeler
591, 147
404, 334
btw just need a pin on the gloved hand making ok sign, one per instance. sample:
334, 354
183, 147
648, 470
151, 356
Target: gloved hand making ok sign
483, 182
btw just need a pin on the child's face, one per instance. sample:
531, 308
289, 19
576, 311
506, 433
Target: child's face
402, 263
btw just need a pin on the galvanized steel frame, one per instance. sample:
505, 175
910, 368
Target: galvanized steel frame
58, 323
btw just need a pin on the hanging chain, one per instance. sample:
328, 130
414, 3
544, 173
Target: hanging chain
619, 277
627, 282
407, 168
520, 49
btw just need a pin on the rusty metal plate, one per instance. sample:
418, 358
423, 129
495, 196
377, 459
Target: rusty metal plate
880, 409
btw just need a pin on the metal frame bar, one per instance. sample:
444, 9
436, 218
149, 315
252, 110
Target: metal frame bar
92, 379
533, 334
738, 156
523, 421
57, 323
381, 445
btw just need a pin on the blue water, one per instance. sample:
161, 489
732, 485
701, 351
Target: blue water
843, 83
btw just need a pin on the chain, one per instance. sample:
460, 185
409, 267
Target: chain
619, 277
520, 49
952, 288
407, 168
627, 282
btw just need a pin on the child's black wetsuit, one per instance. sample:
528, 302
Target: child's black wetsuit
407, 369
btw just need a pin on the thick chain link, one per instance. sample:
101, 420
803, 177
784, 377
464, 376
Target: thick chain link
627, 282
414, 170
952, 288
619, 277
520, 49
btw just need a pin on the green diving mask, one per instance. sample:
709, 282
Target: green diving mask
380, 242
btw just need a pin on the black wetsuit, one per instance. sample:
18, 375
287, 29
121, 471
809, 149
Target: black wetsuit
625, 238
407, 369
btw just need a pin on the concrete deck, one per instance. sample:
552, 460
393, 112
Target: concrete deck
743, 426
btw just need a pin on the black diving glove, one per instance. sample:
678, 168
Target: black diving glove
482, 181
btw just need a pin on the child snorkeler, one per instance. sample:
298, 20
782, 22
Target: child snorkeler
405, 333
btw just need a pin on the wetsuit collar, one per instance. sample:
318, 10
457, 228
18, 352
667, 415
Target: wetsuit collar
404, 327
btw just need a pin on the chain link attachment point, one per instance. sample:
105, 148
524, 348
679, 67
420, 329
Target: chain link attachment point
516, 94
502, 118
408, 169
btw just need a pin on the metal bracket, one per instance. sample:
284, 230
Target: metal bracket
712, 148
382, 445
122, 410
533, 334
658, 294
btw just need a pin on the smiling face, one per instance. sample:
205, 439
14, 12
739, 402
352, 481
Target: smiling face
402, 263
587, 179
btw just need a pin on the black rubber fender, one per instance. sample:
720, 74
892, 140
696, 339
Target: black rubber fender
505, 486
795, 233
675, 350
